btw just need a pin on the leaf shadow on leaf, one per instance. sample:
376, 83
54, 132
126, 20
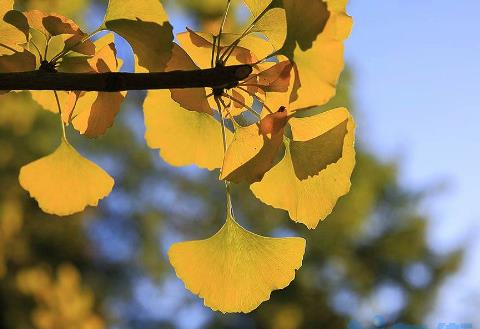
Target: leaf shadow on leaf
151, 42
304, 26
311, 157
56, 26
18, 20
254, 169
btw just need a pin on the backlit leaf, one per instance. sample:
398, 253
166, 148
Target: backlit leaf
17, 62
183, 137
11, 35
315, 170
199, 46
144, 24
317, 71
257, 6
273, 24
319, 67
100, 115
193, 99
306, 20
252, 153
65, 182
236, 270
65, 31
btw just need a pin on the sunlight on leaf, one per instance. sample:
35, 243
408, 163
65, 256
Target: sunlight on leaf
46, 99
318, 68
13, 28
183, 137
193, 99
144, 24
99, 116
236, 270
95, 112
273, 24
64, 182
252, 153
306, 20
257, 6
315, 170
66, 32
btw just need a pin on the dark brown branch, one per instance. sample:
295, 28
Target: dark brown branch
219, 77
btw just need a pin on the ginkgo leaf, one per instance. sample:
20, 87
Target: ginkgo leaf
318, 69
144, 24
183, 137
273, 124
315, 170
252, 153
46, 99
273, 24
65, 182
199, 46
240, 99
91, 113
99, 116
275, 78
5, 6
193, 99
67, 33
257, 6
236, 270
13, 29
94, 112
17, 62
306, 19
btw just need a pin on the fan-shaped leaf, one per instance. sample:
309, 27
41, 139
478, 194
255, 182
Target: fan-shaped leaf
236, 270
257, 6
254, 149
144, 24
64, 182
183, 137
315, 170
193, 99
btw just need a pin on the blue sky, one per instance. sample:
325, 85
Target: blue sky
417, 94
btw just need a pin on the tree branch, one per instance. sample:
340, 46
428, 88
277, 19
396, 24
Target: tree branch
219, 77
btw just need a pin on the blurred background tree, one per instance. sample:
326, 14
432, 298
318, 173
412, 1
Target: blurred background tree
369, 257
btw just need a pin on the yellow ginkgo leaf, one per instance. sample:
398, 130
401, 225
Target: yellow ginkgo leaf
257, 6
193, 99
144, 24
306, 20
183, 137
65, 182
318, 68
97, 117
12, 35
251, 153
95, 112
236, 270
67, 32
273, 24
5, 6
315, 170
17, 62
46, 99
